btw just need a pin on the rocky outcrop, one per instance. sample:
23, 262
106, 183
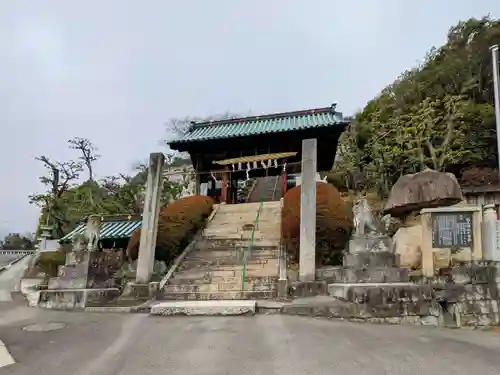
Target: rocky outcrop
424, 189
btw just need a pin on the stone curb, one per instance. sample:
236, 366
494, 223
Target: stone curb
137, 309
5, 357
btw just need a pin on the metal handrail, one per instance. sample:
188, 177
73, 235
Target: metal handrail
248, 250
275, 186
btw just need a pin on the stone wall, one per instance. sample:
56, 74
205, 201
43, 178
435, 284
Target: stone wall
465, 295
468, 294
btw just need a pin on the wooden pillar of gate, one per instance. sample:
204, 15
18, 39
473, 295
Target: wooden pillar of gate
224, 192
284, 181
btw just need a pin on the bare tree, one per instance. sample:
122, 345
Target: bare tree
88, 153
180, 126
59, 178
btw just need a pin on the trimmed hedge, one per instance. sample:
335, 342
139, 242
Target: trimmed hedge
333, 224
177, 224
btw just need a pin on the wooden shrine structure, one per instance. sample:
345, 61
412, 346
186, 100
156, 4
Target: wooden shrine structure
268, 145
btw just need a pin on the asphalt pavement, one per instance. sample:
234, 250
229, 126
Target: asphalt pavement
131, 344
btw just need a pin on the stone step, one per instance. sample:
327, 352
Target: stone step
363, 275
221, 307
384, 293
220, 295
214, 264
236, 244
218, 288
197, 267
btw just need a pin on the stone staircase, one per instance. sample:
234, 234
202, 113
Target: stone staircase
213, 270
267, 189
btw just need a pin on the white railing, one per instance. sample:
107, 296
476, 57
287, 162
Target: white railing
16, 252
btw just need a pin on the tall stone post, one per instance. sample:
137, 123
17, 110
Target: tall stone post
489, 233
307, 258
150, 213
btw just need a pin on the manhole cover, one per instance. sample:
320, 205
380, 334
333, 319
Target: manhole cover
44, 327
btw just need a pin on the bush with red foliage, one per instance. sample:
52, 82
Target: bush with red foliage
333, 224
476, 176
177, 224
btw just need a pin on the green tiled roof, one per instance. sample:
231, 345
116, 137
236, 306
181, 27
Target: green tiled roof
109, 229
255, 125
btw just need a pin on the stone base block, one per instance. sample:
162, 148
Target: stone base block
397, 313
371, 260
76, 299
141, 292
362, 275
377, 294
232, 307
301, 289
369, 244
282, 289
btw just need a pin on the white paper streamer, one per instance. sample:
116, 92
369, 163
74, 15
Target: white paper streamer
269, 163
249, 168
263, 165
233, 167
213, 176
239, 166
275, 163
255, 165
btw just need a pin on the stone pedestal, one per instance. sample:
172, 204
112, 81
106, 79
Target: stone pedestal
88, 270
370, 245
87, 279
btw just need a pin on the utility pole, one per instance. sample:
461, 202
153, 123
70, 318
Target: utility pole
496, 83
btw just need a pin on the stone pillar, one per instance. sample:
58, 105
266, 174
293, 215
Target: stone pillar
150, 213
307, 263
489, 233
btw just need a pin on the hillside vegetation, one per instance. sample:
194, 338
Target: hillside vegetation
439, 114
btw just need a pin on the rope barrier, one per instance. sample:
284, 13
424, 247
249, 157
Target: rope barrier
193, 173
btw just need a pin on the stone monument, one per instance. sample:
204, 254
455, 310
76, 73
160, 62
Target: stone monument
87, 277
369, 232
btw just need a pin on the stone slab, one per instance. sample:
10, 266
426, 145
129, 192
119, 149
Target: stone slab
371, 260
221, 307
362, 275
370, 244
381, 293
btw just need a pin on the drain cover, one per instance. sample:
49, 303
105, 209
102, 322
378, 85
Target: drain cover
44, 327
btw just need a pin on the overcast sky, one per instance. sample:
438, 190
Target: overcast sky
115, 70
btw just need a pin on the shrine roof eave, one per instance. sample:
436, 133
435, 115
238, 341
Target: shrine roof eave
290, 122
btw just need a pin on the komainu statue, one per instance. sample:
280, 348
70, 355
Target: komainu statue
366, 224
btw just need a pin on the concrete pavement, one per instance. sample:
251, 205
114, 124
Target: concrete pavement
123, 344
10, 278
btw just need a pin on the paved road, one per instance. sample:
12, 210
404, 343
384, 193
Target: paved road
112, 344
9, 278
